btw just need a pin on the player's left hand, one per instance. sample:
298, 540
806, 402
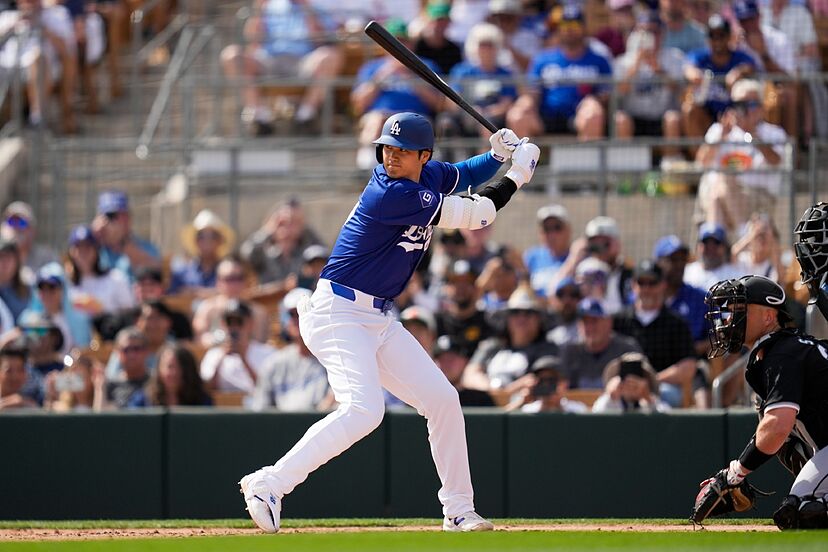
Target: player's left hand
503, 142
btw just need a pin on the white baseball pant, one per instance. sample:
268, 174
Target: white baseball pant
363, 351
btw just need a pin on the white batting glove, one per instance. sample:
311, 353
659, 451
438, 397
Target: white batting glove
736, 472
524, 161
503, 142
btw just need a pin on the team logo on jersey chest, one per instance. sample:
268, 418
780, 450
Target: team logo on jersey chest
419, 236
395, 128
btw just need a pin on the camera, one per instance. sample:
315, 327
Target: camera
631, 368
234, 335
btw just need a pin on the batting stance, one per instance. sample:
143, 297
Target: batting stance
346, 322
788, 370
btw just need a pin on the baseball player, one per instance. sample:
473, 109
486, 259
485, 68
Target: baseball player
788, 370
347, 325
811, 250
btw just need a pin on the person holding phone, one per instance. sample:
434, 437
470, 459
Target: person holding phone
543, 390
631, 385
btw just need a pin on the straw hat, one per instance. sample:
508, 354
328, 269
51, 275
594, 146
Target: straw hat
208, 219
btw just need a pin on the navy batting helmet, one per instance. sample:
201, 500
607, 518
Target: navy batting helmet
410, 131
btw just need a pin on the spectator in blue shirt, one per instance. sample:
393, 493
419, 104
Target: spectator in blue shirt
711, 72
543, 261
687, 301
207, 240
385, 86
576, 105
119, 247
483, 82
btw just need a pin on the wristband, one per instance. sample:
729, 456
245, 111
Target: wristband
751, 458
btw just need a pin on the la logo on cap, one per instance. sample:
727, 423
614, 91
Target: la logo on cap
395, 128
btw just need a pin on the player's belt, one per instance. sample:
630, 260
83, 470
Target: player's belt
361, 298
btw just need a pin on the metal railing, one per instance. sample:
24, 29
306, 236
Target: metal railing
732, 371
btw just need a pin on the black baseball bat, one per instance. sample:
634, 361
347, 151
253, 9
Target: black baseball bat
405, 56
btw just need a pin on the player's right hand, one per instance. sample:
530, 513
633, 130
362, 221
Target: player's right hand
524, 161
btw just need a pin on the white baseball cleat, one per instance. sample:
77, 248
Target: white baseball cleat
469, 521
263, 506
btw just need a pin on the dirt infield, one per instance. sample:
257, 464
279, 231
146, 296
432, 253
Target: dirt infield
94, 534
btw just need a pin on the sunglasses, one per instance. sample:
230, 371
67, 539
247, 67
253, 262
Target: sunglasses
747, 105
111, 216
208, 236
234, 321
572, 294
130, 349
570, 26
233, 278
647, 283
17, 222
719, 36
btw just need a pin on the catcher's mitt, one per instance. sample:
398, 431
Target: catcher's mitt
718, 497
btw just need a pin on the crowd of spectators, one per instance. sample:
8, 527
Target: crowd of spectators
102, 327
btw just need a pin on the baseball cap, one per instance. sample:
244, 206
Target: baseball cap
647, 267
314, 253
20, 209
717, 23
419, 314
572, 12
546, 362
461, 267
438, 10
396, 27
553, 211
148, 273
745, 9
569, 281
291, 299
237, 309
448, 344
50, 273
764, 291
591, 265
81, 234
523, 299
712, 230
602, 226
505, 6
649, 17
593, 307
667, 245
619, 4
112, 201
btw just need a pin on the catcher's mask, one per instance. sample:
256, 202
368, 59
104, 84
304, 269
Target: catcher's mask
727, 313
811, 247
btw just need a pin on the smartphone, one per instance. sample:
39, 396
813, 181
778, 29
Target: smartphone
545, 387
631, 367
68, 382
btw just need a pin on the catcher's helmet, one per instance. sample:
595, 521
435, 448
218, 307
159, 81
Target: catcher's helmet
811, 246
727, 303
406, 130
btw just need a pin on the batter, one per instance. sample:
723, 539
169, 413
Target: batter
347, 325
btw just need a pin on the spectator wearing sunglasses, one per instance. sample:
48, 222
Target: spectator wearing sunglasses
207, 240
564, 306
19, 225
664, 337
743, 141
127, 389
14, 291
555, 235
51, 299
120, 247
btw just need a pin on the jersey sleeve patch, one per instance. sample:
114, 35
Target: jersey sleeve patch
427, 198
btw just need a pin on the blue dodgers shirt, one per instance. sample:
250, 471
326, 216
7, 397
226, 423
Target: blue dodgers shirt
482, 88
389, 229
689, 304
718, 98
399, 95
552, 66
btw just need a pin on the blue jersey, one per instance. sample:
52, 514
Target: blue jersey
551, 66
390, 227
482, 88
718, 98
400, 95
689, 304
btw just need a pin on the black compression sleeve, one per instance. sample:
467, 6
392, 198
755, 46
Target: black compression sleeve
499, 192
752, 457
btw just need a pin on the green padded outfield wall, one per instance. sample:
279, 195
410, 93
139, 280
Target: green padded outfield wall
186, 464
209, 452
635, 465
82, 466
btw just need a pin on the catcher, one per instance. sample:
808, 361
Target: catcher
811, 250
788, 370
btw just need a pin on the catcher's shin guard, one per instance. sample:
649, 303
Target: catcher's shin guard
807, 512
